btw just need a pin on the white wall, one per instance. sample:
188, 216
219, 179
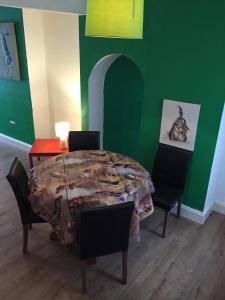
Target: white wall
96, 94
52, 42
63, 67
35, 47
74, 6
216, 187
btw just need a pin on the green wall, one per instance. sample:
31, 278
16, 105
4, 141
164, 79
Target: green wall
123, 105
15, 99
182, 57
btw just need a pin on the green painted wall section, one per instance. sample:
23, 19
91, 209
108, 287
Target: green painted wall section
123, 107
15, 99
182, 57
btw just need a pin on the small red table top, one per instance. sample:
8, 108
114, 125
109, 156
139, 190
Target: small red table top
46, 147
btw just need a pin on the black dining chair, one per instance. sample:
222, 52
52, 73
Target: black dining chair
169, 176
104, 230
84, 140
18, 179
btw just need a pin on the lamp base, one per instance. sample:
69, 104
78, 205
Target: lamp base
63, 143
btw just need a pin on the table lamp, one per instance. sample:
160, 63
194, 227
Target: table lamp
61, 130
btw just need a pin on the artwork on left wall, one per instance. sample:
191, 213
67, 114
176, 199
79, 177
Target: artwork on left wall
9, 63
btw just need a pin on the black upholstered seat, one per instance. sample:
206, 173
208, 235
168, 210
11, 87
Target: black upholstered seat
84, 140
169, 176
18, 180
102, 231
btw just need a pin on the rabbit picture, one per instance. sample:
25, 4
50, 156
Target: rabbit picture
179, 129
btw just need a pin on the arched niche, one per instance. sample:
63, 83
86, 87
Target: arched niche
123, 101
116, 89
96, 94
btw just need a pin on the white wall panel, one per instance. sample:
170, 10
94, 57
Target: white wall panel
216, 187
36, 60
63, 67
52, 44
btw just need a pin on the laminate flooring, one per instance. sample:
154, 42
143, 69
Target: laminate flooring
188, 264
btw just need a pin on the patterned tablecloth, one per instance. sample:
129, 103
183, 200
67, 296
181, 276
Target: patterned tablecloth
68, 181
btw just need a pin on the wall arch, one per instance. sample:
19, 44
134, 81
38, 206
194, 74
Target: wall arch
96, 94
116, 89
123, 101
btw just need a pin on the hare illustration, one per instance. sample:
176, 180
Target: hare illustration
179, 129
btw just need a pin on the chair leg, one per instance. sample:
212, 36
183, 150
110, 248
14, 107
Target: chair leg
30, 226
124, 267
83, 275
164, 224
179, 208
25, 238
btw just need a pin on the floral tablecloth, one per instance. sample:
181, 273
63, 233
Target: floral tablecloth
63, 183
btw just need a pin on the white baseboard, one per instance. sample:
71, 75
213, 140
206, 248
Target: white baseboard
219, 207
193, 214
15, 142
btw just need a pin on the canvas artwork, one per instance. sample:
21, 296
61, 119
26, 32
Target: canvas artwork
179, 124
9, 64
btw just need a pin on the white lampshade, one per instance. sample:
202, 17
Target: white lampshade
62, 129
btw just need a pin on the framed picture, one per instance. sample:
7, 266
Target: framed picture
179, 124
9, 63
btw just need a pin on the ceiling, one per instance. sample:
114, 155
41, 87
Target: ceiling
72, 6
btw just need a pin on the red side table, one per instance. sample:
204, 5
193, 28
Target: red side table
45, 147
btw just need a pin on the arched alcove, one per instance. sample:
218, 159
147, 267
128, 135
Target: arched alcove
116, 89
123, 99
96, 94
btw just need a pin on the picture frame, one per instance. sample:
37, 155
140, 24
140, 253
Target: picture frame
9, 62
179, 124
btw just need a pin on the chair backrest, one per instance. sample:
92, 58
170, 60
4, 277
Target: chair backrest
171, 165
84, 140
104, 230
18, 179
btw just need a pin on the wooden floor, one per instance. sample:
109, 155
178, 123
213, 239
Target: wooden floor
188, 264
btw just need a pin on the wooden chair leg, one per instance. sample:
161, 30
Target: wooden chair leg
83, 275
124, 267
25, 238
164, 224
30, 226
178, 208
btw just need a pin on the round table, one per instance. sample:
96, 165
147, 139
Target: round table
62, 184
